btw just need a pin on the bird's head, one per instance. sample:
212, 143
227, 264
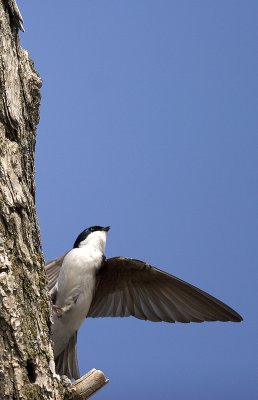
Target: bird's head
94, 235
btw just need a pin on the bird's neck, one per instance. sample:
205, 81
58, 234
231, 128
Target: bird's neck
96, 242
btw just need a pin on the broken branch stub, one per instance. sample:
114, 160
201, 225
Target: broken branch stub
88, 384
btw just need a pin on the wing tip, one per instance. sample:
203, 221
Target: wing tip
233, 316
237, 318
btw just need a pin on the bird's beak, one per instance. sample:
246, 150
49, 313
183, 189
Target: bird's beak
106, 229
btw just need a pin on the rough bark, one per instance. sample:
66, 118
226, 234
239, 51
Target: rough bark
26, 357
27, 369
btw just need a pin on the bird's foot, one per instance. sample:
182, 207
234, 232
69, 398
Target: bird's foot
61, 310
58, 310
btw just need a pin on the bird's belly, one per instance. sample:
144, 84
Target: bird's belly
70, 321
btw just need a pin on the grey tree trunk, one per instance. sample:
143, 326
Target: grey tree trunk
26, 357
27, 369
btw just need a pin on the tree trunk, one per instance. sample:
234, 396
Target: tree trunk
27, 369
26, 357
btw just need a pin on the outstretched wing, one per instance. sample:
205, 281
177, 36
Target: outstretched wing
52, 271
131, 287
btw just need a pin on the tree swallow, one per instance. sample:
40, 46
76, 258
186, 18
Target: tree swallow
83, 283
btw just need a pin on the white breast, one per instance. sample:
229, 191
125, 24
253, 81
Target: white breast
76, 284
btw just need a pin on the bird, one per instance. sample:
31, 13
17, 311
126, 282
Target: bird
83, 283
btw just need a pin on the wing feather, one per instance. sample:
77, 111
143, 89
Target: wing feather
52, 271
131, 287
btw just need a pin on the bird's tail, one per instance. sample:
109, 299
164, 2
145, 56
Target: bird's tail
66, 362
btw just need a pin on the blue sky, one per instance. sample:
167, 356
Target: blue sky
149, 124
